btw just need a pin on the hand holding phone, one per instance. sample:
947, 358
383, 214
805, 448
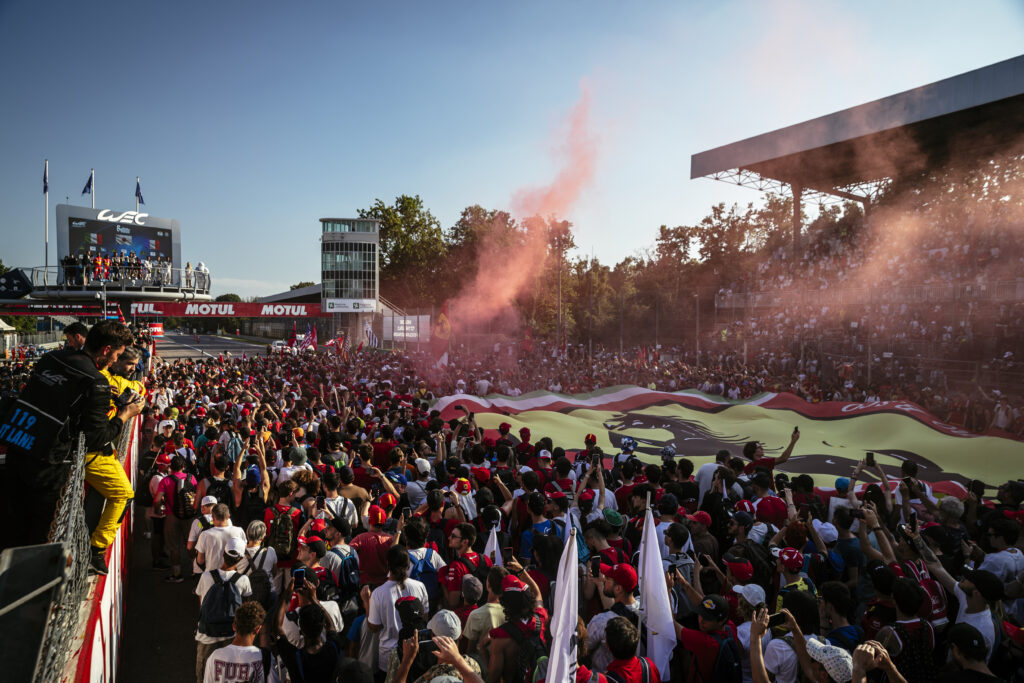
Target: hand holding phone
506, 555
869, 461
777, 619
299, 575
595, 566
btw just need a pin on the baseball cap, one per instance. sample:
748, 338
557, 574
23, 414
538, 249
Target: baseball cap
700, 517
422, 466
792, 559
590, 438
513, 584
545, 454
314, 543
826, 530
209, 500
744, 506
376, 515
297, 455
387, 501
504, 428
200, 412
235, 547
743, 519
396, 478
987, 583
168, 423
163, 460
751, 592
472, 589
445, 623
969, 640
713, 607
317, 526
587, 495
409, 608
622, 574
843, 483
837, 662
741, 567
252, 476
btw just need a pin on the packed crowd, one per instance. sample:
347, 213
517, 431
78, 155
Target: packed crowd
127, 267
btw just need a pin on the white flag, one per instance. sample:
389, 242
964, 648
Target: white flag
656, 611
492, 549
562, 662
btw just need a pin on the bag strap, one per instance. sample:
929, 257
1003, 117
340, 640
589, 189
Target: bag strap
645, 670
265, 654
614, 677
234, 578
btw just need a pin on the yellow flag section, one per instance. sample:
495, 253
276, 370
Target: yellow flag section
833, 436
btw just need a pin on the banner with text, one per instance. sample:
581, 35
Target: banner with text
225, 309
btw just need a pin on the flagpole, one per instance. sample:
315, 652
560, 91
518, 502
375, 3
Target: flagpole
46, 220
136, 194
92, 185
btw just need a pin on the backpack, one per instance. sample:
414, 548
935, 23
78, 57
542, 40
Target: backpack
219, 489
185, 498
582, 551
934, 608
235, 448
327, 590
761, 559
424, 572
728, 667
348, 574
568, 494
481, 569
531, 649
217, 613
142, 495
915, 660
281, 534
645, 672
259, 579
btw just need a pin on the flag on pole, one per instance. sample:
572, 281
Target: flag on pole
291, 340
562, 661
312, 341
493, 548
654, 605
88, 186
138, 192
371, 339
330, 342
46, 181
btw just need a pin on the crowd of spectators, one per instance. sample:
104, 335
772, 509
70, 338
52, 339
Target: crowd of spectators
127, 267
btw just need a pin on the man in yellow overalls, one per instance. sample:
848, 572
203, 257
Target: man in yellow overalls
104, 472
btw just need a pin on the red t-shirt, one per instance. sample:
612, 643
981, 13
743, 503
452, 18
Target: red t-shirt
764, 463
771, 509
169, 485
456, 570
536, 624
622, 495
372, 548
629, 670
583, 675
705, 651
380, 454
565, 484
268, 517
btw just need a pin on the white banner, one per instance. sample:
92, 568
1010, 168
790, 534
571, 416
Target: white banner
562, 662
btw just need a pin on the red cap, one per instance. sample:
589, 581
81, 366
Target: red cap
490, 442
622, 574
556, 495
377, 516
524, 433
462, 486
700, 517
504, 427
509, 583
200, 412
306, 540
588, 494
745, 506
1014, 633
791, 558
387, 501
742, 569
163, 460
590, 438
318, 525
482, 474
245, 412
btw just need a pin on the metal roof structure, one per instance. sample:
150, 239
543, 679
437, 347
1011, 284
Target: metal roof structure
854, 153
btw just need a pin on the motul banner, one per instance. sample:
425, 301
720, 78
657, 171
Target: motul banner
224, 309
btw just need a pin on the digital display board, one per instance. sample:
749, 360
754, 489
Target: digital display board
101, 237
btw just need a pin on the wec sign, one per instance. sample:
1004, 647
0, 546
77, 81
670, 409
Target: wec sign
126, 217
217, 309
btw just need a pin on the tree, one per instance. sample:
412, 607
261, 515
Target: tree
412, 250
300, 285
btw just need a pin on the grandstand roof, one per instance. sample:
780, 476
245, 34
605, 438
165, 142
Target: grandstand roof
901, 134
308, 294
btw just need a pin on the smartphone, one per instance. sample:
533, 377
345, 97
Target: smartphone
913, 522
300, 578
804, 511
356, 462
595, 566
977, 487
506, 555
321, 502
870, 459
796, 430
426, 640
406, 513
777, 619
856, 514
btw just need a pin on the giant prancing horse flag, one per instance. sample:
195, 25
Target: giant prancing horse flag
834, 435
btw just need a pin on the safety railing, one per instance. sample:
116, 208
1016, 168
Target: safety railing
995, 291
133, 278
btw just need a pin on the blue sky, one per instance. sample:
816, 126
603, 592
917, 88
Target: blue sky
248, 121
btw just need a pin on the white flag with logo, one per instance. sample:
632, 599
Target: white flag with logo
492, 549
656, 611
562, 662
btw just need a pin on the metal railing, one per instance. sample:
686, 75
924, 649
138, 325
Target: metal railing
70, 530
997, 291
72, 278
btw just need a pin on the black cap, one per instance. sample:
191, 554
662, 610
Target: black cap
969, 641
713, 608
987, 583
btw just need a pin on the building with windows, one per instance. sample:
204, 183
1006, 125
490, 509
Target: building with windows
350, 271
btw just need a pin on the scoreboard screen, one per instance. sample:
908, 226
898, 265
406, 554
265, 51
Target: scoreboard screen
94, 237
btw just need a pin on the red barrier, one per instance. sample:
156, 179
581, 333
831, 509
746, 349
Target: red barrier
100, 648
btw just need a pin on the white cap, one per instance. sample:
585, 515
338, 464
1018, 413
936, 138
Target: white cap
827, 531
235, 547
422, 466
445, 623
751, 592
209, 500
544, 454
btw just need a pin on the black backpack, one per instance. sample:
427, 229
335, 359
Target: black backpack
217, 613
728, 667
219, 489
259, 579
531, 649
185, 497
281, 534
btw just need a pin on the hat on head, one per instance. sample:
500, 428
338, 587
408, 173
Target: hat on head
376, 515
628, 443
713, 607
792, 559
462, 486
613, 517
545, 454
422, 466
970, 641
751, 592
740, 567
387, 501
410, 609
200, 412
490, 442
482, 474
826, 530
472, 589
587, 495
512, 584
446, 623
297, 456
701, 517
744, 506
252, 476
622, 574
396, 478
987, 583
843, 483
504, 427
314, 543
209, 500
235, 547
743, 519
838, 662
163, 460
524, 433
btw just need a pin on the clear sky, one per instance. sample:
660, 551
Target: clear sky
249, 121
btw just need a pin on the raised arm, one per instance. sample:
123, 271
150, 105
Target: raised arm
789, 449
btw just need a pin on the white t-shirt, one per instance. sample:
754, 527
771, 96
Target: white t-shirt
703, 478
204, 585
1006, 564
382, 613
212, 542
266, 556
343, 508
237, 664
979, 620
779, 659
435, 558
290, 625
743, 640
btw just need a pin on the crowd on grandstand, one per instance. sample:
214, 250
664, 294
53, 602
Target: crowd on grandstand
128, 268
332, 526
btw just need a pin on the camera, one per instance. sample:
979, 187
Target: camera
127, 396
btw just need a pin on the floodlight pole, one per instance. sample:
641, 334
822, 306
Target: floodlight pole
798, 192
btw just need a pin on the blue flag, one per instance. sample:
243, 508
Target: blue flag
46, 182
138, 192
88, 186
